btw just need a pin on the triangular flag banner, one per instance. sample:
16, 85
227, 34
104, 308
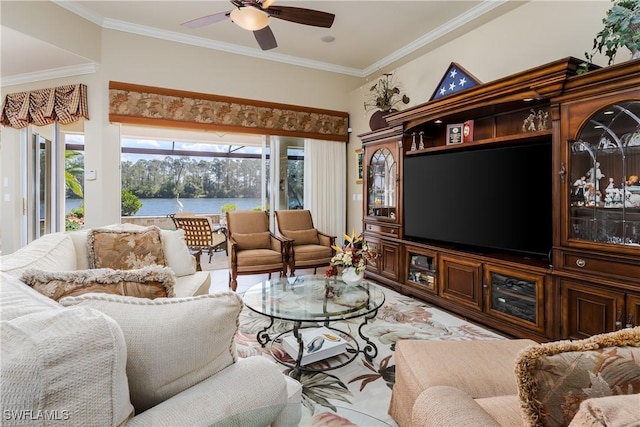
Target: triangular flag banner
455, 79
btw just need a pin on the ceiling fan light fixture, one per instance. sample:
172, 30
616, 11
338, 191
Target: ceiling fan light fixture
266, 3
250, 18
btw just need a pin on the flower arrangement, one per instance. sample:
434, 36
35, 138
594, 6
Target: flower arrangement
385, 94
355, 253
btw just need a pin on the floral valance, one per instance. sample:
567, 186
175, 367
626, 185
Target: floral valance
63, 104
144, 105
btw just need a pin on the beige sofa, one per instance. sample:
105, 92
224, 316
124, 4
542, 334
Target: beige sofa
101, 359
111, 360
592, 382
69, 251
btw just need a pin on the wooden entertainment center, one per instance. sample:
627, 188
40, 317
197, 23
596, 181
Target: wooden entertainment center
590, 281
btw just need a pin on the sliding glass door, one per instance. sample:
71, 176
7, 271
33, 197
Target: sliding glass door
43, 190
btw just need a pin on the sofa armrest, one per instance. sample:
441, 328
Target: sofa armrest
259, 396
448, 406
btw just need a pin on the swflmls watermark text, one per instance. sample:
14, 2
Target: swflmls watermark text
35, 415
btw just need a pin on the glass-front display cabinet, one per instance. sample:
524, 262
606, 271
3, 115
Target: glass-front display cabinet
382, 184
422, 270
604, 159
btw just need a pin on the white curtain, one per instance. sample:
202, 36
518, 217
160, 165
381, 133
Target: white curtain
325, 185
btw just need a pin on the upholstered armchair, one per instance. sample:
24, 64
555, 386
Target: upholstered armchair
310, 248
252, 248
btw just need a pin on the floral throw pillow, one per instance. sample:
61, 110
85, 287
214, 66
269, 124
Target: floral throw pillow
150, 282
124, 249
554, 378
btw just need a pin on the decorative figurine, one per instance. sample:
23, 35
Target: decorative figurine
611, 186
413, 141
529, 124
421, 146
595, 175
543, 117
578, 193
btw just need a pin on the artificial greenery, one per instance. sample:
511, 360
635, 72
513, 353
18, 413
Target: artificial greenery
621, 29
385, 94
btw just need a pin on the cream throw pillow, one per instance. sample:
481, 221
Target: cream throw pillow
70, 363
54, 251
176, 252
172, 343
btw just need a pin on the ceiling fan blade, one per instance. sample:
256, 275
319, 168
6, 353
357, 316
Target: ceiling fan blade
299, 15
206, 20
265, 38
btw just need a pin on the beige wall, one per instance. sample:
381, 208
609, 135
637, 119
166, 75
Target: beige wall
535, 33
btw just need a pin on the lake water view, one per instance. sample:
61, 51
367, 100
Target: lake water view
162, 207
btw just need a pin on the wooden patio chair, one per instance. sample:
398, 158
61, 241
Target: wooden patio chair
198, 233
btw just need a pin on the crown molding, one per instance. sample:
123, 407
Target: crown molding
484, 7
142, 30
54, 73
432, 36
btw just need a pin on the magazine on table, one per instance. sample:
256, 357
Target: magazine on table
318, 344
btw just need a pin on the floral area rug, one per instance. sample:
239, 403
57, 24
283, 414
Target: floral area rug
342, 396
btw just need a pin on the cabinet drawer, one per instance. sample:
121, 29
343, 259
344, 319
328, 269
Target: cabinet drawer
595, 265
382, 229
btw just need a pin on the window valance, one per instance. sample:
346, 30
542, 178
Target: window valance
145, 105
64, 104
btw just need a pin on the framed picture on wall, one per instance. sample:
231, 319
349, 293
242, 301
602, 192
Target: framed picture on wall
359, 172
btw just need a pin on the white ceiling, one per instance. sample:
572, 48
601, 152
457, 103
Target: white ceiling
369, 35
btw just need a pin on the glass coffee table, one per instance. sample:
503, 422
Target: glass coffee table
315, 300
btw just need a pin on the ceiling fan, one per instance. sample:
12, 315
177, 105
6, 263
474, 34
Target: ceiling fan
253, 15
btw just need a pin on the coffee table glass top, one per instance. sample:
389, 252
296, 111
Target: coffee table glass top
313, 298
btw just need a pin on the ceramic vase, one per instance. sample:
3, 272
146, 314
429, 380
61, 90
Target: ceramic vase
350, 277
377, 120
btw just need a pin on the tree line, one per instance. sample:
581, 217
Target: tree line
189, 178
183, 176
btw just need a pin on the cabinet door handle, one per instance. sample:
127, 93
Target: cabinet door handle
580, 262
619, 321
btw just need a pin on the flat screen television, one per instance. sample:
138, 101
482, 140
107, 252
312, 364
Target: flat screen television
482, 199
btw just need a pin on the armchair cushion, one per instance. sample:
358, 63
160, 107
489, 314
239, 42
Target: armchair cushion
153, 281
554, 378
172, 343
247, 241
302, 237
124, 249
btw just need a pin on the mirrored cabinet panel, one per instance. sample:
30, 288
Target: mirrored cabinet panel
605, 165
